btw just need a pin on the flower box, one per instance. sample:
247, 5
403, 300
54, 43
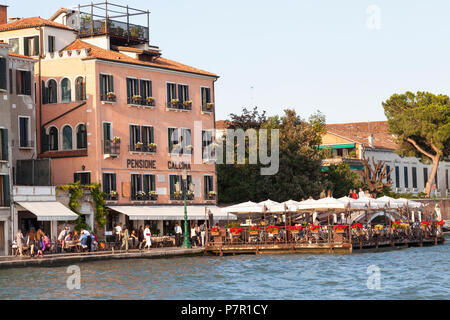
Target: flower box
314, 231
295, 231
187, 104
272, 229
236, 231
339, 231
215, 233
254, 233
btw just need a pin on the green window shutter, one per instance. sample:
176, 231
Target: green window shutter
28, 82
10, 81
76, 177
128, 88
102, 89
152, 183
111, 81
180, 96
168, 93
187, 93
6, 191
105, 183
25, 47
5, 147
36, 46
44, 93
3, 78
141, 87
146, 183
152, 135
113, 182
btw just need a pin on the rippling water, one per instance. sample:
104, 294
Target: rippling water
414, 273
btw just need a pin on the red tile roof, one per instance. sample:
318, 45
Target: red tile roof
12, 54
222, 124
32, 22
111, 55
359, 132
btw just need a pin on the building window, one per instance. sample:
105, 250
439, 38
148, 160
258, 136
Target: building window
4, 144
414, 177
23, 82
171, 92
51, 44
24, 132
388, 169
183, 93
147, 136
53, 139
173, 139
185, 140
81, 137
135, 137
66, 92
397, 177
173, 181
149, 184
208, 186
109, 184
425, 177
4, 191
405, 173
31, 46
67, 138
107, 87
436, 180
146, 89
80, 89
83, 177
206, 96
15, 45
206, 144
136, 186
133, 91
10, 81
52, 91
446, 179
3, 74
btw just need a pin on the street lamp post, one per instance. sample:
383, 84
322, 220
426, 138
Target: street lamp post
186, 242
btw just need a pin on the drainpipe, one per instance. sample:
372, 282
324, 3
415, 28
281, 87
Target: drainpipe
41, 44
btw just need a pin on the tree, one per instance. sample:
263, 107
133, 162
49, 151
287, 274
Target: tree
341, 179
299, 173
374, 176
421, 124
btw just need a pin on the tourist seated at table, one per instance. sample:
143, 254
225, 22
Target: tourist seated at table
46, 244
85, 239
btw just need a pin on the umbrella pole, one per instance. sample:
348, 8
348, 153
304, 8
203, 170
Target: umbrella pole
328, 228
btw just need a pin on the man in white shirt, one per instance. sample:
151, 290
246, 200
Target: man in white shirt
147, 237
178, 233
118, 229
361, 193
62, 235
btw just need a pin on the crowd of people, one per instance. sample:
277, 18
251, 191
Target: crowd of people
37, 242
353, 193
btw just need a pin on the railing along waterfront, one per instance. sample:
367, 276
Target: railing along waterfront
326, 234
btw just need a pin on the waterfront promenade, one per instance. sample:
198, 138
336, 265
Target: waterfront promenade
62, 259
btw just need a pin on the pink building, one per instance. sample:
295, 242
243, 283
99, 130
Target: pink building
112, 110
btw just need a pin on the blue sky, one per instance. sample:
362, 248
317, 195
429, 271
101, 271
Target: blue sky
308, 55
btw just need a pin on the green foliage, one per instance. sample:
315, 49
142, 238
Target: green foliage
76, 191
341, 179
299, 172
422, 117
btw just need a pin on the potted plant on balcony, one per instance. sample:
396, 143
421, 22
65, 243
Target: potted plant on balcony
141, 195
151, 147
437, 224
236, 231
137, 99
138, 145
396, 224
187, 104
211, 195
424, 224
175, 102
153, 195
214, 231
113, 195
314, 229
111, 96
294, 229
209, 106
357, 226
253, 230
378, 228
177, 195
150, 100
116, 140
340, 228
272, 229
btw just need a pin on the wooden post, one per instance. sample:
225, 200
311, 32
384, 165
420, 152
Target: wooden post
148, 26
128, 26
106, 17
92, 18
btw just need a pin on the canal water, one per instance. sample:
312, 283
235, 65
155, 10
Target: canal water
414, 273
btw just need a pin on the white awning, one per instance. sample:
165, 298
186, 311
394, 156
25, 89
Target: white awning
49, 211
171, 212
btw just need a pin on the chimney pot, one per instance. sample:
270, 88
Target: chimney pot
371, 141
3, 14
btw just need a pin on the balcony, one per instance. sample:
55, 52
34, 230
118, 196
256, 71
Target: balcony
139, 101
148, 148
112, 196
179, 196
145, 196
211, 196
181, 106
111, 148
208, 107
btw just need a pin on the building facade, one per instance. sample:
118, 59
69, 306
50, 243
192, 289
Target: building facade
351, 142
112, 110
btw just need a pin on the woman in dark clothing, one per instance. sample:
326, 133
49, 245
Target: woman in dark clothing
140, 236
31, 242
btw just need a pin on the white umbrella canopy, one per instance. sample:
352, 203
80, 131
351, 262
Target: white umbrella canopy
245, 207
408, 203
354, 204
269, 204
289, 206
324, 203
389, 202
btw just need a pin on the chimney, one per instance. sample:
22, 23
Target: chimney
3, 14
371, 140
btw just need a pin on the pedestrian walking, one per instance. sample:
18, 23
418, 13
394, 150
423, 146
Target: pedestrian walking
125, 238
19, 242
147, 237
178, 233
